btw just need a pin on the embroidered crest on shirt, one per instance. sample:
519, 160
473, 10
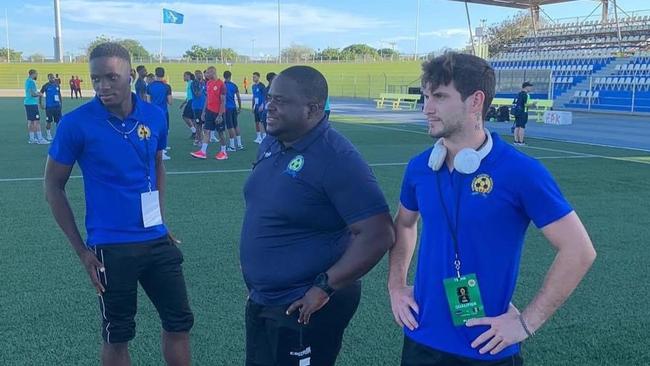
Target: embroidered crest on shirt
482, 184
295, 165
144, 132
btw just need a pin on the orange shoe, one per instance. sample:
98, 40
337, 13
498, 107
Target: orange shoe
221, 156
198, 154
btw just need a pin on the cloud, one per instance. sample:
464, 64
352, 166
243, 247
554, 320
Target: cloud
446, 33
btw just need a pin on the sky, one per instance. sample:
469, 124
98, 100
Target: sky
251, 27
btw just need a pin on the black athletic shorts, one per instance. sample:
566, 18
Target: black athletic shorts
521, 120
32, 112
276, 339
231, 118
156, 265
197, 116
416, 354
187, 111
258, 115
53, 114
214, 121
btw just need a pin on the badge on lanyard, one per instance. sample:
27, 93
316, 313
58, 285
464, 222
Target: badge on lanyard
464, 298
150, 203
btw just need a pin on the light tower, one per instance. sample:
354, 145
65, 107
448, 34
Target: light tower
58, 42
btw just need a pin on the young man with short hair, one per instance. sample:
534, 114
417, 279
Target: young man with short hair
186, 106
460, 311
140, 83
117, 139
258, 102
159, 93
213, 115
53, 103
31, 109
520, 111
198, 103
232, 111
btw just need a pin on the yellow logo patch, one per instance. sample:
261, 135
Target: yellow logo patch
482, 184
144, 132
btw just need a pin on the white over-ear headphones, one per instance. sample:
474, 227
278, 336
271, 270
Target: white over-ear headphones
467, 161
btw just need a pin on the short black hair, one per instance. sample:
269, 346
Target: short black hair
311, 83
526, 84
110, 49
468, 73
31, 72
270, 76
50, 74
227, 74
160, 72
139, 68
256, 74
189, 74
150, 75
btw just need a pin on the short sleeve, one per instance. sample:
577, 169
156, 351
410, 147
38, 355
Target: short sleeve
163, 133
68, 143
353, 189
43, 88
541, 197
408, 197
169, 89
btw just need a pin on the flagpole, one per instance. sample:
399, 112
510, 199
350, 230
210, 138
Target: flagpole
160, 56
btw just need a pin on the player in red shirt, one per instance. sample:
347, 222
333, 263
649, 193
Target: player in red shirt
213, 113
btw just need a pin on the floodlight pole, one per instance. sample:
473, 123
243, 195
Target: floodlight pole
618, 26
160, 56
221, 41
58, 47
279, 47
469, 25
417, 31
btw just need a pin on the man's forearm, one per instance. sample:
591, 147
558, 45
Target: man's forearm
566, 272
160, 180
400, 255
364, 252
64, 217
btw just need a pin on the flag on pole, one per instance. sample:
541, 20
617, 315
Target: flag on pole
172, 17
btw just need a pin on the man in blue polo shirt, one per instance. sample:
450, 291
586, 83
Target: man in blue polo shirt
258, 106
53, 103
315, 222
140, 83
476, 195
31, 109
118, 139
232, 111
159, 93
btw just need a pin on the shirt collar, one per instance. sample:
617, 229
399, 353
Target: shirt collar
136, 114
312, 135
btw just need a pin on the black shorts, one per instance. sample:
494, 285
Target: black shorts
32, 112
416, 354
187, 111
231, 118
263, 115
197, 115
156, 265
521, 120
258, 115
214, 121
53, 114
274, 338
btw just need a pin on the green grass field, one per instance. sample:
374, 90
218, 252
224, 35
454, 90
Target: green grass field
345, 79
49, 313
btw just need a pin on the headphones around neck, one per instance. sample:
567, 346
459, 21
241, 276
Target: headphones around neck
467, 161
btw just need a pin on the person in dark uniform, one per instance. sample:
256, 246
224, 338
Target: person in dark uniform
315, 223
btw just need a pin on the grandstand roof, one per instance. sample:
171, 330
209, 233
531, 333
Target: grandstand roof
520, 4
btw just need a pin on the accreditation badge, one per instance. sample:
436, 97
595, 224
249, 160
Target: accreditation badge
150, 203
464, 298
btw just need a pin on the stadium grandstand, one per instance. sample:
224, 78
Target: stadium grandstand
583, 64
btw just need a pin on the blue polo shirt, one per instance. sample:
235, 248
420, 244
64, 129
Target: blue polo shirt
52, 93
158, 91
299, 204
231, 91
30, 86
113, 168
497, 204
199, 94
259, 94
